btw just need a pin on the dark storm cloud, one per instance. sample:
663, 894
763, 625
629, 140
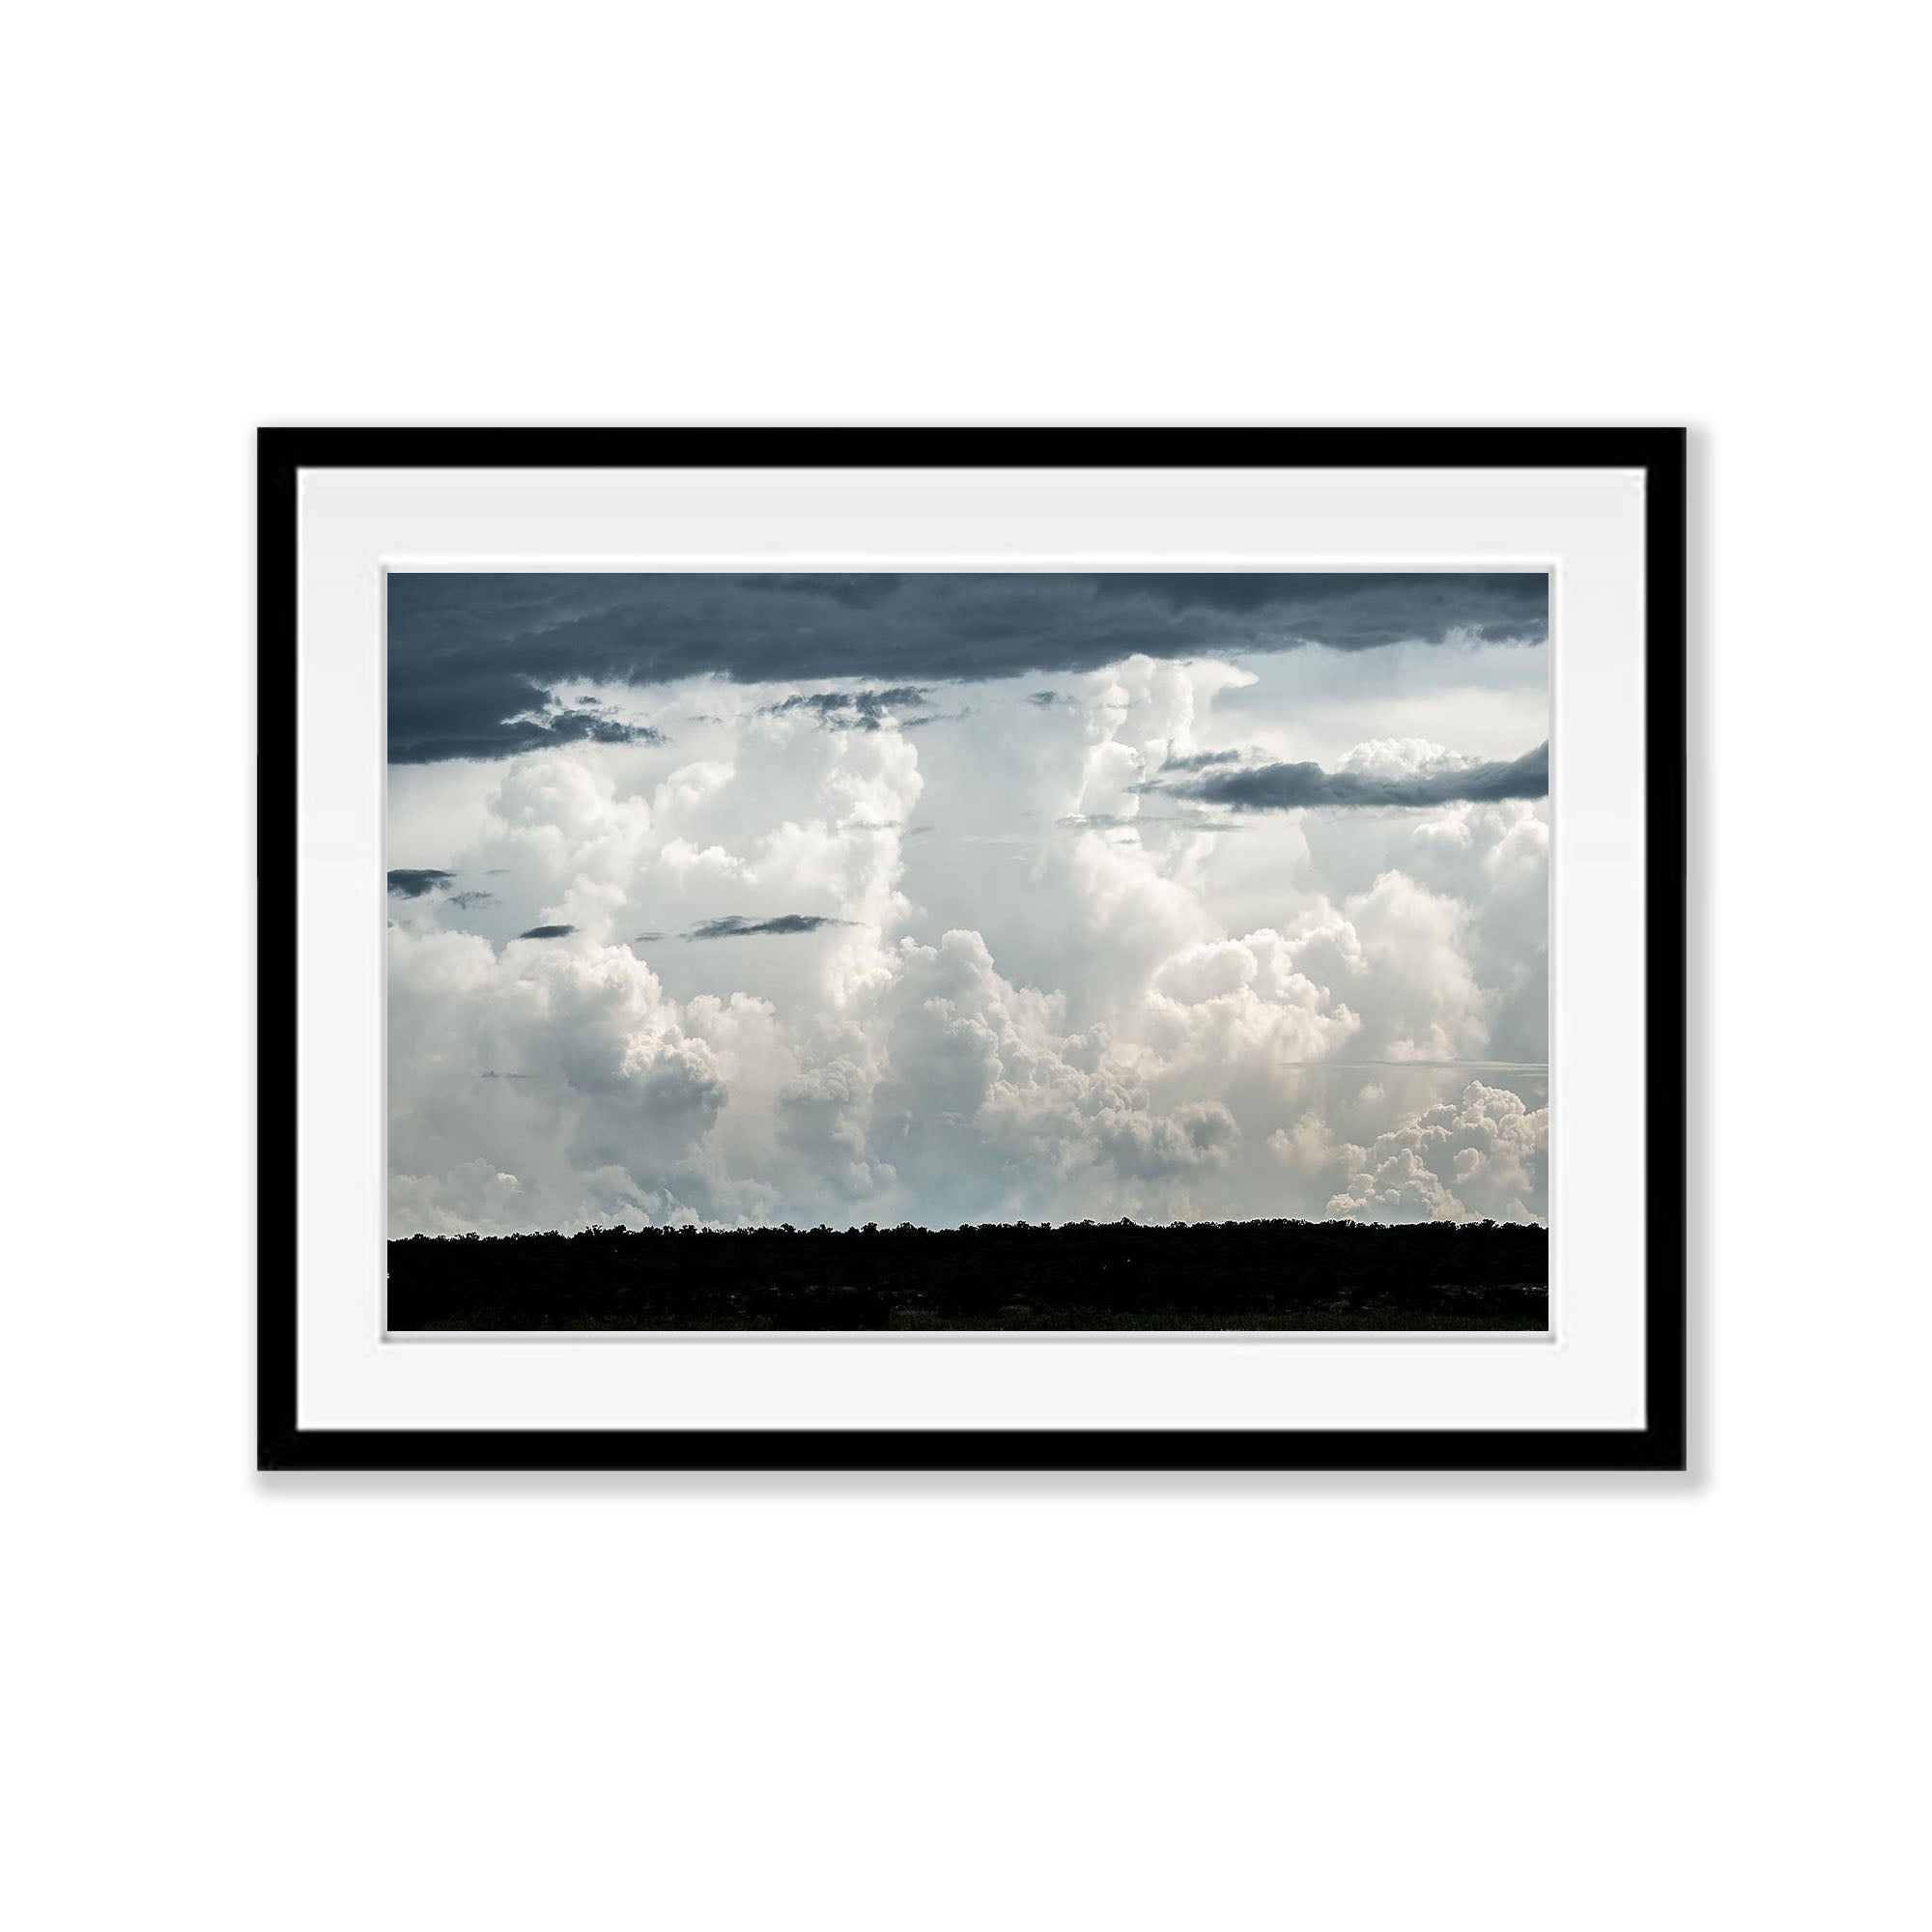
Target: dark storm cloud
1201, 761
1281, 788
853, 710
547, 932
858, 590
1353, 613
469, 901
472, 657
734, 926
414, 882
480, 711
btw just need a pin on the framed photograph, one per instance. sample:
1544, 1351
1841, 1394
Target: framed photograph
972, 949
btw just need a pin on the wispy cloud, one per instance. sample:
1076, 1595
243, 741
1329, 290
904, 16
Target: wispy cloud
1285, 787
854, 710
734, 926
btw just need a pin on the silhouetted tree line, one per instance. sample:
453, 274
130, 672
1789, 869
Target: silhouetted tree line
1230, 1274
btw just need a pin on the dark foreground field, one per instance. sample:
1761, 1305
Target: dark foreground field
1246, 1274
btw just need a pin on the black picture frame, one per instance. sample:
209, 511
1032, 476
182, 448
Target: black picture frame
1660, 1444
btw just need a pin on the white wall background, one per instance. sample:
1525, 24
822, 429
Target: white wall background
1339, 1703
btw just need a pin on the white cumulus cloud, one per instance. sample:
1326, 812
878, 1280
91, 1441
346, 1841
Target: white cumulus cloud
805, 963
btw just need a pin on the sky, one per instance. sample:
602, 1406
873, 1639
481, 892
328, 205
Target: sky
725, 900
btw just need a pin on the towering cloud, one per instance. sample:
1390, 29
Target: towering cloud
762, 954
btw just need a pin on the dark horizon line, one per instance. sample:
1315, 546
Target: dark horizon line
870, 1228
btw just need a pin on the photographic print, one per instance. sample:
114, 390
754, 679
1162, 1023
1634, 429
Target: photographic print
958, 951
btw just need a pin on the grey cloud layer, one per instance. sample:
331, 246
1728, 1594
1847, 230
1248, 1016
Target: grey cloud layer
491, 714
1283, 787
472, 657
